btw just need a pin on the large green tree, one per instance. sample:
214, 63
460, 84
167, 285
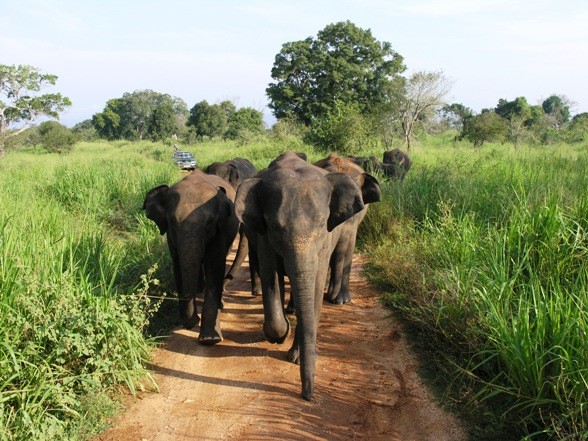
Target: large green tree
132, 115
21, 101
519, 116
244, 123
210, 120
344, 64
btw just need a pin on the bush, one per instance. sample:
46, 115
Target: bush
56, 138
344, 130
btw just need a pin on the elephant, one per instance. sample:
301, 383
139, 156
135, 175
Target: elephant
235, 171
342, 256
396, 164
197, 214
294, 208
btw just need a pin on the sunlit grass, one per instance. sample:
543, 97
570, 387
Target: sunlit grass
487, 252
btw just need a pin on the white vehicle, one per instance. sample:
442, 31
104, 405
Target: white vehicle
185, 160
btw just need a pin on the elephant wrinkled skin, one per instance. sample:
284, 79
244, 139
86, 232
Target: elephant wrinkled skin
294, 207
198, 217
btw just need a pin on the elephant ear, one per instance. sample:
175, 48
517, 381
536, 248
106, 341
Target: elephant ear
248, 207
155, 206
346, 199
370, 189
233, 175
226, 201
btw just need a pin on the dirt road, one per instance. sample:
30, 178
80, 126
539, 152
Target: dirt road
366, 385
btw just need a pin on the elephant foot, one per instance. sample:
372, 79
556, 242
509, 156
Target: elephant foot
210, 339
191, 322
274, 337
293, 355
342, 298
256, 292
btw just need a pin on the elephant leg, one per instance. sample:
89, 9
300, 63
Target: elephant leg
344, 295
189, 277
214, 268
337, 264
275, 325
254, 266
242, 250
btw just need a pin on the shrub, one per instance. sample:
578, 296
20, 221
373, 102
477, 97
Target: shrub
56, 138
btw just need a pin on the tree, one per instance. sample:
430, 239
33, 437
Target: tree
558, 109
519, 116
578, 128
210, 120
85, 131
456, 115
344, 64
56, 138
131, 116
344, 130
244, 123
163, 121
20, 101
487, 126
423, 97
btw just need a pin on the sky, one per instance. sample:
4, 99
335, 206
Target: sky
225, 49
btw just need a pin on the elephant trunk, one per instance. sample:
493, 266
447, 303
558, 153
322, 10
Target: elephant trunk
242, 251
303, 283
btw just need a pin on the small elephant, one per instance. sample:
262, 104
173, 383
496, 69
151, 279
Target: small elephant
198, 216
294, 208
396, 164
342, 256
235, 171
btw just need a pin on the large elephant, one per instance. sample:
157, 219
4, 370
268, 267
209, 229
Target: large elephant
198, 216
341, 259
294, 207
235, 171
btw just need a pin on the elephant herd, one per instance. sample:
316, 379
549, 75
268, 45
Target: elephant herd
295, 219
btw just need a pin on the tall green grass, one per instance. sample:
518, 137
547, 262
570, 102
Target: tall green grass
487, 253
74, 279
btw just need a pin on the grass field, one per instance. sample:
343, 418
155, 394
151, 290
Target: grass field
484, 252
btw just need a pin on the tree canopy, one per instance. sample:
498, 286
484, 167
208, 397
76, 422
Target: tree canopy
141, 114
225, 120
344, 64
21, 101
424, 95
558, 109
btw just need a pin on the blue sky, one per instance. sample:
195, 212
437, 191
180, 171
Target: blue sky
225, 49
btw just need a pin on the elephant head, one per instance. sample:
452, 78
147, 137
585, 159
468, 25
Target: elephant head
234, 171
155, 206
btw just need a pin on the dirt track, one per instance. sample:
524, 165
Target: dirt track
366, 385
